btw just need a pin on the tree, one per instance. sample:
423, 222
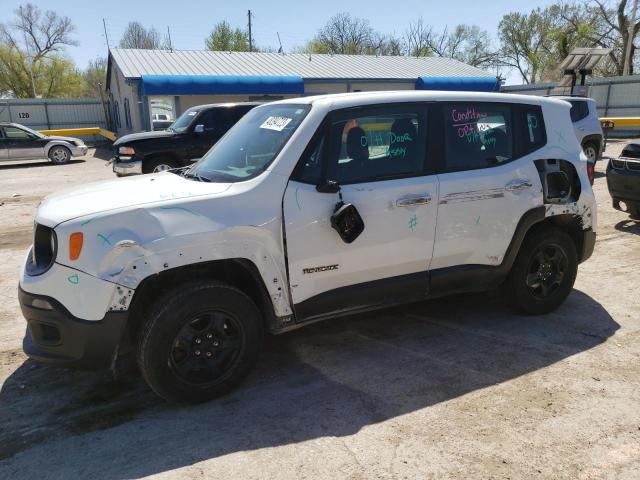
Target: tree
607, 27
137, 36
31, 46
52, 77
527, 41
225, 38
417, 39
466, 43
95, 77
346, 35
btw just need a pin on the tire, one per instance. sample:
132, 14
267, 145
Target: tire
199, 342
59, 154
590, 149
543, 273
156, 165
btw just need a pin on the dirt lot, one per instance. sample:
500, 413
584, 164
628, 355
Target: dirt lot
453, 388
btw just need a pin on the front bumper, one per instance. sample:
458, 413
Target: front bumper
55, 336
129, 167
79, 151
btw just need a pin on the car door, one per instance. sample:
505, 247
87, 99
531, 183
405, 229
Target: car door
377, 156
488, 180
4, 153
23, 145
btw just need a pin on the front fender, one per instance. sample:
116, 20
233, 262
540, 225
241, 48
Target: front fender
128, 247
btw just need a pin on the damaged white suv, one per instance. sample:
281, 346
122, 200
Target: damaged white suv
307, 209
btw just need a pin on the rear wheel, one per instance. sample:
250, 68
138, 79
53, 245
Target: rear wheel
544, 272
199, 342
156, 165
59, 155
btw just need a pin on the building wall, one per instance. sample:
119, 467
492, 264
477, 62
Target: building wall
123, 92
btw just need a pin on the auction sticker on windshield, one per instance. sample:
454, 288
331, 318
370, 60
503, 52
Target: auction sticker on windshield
276, 123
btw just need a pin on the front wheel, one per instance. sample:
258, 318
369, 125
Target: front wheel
59, 155
544, 272
157, 165
199, 342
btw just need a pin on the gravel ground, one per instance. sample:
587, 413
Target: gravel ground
454, 388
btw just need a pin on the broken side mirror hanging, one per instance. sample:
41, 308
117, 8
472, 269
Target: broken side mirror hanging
346, 220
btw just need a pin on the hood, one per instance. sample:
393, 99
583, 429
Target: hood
134, 137
65, 139
99, 197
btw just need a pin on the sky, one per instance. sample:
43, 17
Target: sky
190, 21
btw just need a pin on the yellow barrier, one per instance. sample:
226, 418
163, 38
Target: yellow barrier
612, 122
65, 132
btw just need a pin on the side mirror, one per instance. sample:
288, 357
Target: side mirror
330, 186
346, 220
198, 129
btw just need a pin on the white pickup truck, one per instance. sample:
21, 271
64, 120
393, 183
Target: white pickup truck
307, 209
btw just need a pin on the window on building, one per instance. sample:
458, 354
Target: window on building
477, 135
127, 114
116, 114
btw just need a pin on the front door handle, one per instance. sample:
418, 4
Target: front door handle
518, 185
413, 200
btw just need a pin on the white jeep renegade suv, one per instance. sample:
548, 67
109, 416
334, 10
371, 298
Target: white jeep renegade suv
307, 209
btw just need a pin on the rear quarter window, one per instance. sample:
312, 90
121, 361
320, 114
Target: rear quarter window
579, 110
531, 129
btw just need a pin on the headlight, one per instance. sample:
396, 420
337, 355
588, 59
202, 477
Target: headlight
126, 151
78, 143
43, 251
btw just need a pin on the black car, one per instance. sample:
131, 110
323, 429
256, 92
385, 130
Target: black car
623, 180
181, 144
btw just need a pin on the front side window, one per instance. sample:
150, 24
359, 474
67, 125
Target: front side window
183, 121
477, 135
377, 144
13, 133
251, 145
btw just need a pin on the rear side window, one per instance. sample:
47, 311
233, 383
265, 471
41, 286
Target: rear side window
477, 135
579, 110
531, 129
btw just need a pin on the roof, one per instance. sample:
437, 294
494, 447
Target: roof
344, 100
134, 63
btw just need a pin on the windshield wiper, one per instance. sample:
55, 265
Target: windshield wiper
197, 176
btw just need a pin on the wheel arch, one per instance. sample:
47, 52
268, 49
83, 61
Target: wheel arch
238, 272
57, 143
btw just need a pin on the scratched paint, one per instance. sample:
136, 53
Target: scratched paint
413, 222
297, 200
188, 210
74, 279
105, 240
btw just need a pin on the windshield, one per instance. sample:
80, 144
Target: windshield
33, 132
251, 145
183, 121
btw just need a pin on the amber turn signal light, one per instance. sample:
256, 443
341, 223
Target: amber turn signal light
75, 245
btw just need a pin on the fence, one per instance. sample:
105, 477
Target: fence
48, 114
614, 96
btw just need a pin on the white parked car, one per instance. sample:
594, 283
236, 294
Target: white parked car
586, 125
307, 209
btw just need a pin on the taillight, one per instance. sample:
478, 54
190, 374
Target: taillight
590, 172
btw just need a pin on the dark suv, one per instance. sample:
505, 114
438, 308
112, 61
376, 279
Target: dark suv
623, 180
182, 143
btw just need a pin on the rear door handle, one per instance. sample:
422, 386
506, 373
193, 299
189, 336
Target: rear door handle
517, 185
413, 200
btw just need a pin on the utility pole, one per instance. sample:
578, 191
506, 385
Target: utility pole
106, 36
169, 37
627, 53
250, 39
